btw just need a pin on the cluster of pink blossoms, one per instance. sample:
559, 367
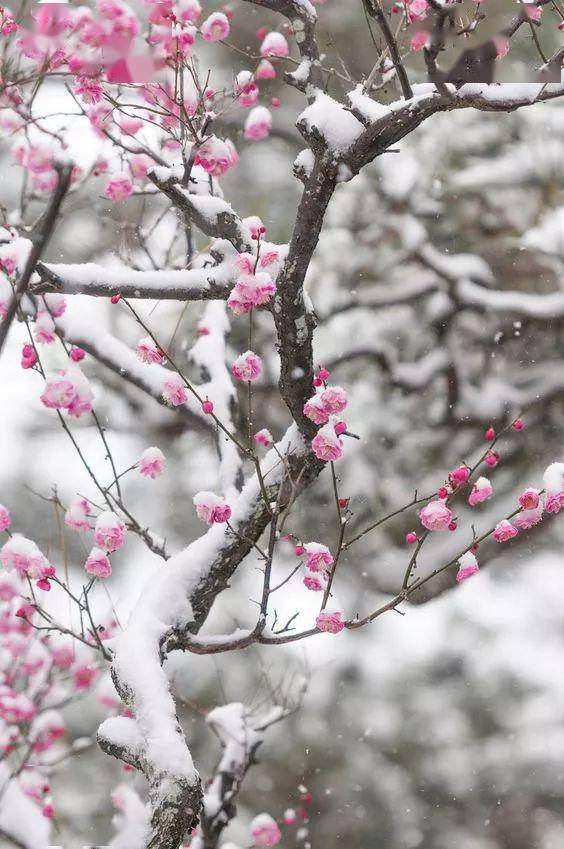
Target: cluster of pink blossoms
68, 390
322, 409
109, 535
250, 291
22, 555
211, 508
318, 562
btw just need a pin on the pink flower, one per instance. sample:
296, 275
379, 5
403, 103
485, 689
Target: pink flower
504, 531
527, 519
211, 508
258, 124
263, 437
29, 357
118, 188
139, 165
265, 831
189, 10
481, 491
215, 27
148, 351
5, 520
23, 556
330, 621
248, 366
326, 445
174, 391
63, 656
553, 480
216, 156
151, 462
460, 475
83, 395
315, 410
83, 677
435, 516
314, 582
56, 304
98, 564
502, 45
411, 538
89, 89
529, 498
274, 44
265, 70
109, 531
468, 566
419, 40
251, 290
318, 557
44, 329
334, 399
246, 89
76, 516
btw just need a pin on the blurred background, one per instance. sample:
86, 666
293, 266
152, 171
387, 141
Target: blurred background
438, 729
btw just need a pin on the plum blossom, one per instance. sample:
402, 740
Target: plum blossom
23, 556
529, 498
151, 462
148, 351
274, 44
98, 564
527, 519
44, 329
553, 480
467, 566
326, 445
251, 290
419, 40
215, 27
76, 516
318, 556
258, 124
55, 303
5, 519
247, 366
435, 516
118, 188
109, 531
315, 410
265, 831
29, 356
246, 89
504, 531
211, 508
265, 70
334, 399
216, 156
263, 437
316, 582
330, 621
459, 475
481, 491
88, 89
174, 390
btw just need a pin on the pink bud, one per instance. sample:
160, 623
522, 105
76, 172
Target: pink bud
452, 526
489, 434
299, 550
115, 299
207, 406
492, 459
77, 354
411, 538
518, 424
340, 428
323, 373
442, 492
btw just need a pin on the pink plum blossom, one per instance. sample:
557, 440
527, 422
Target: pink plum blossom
326, 445
23, 556
174, 390
459, 475
151, 462
274, 44
44, 329
330, 621
251, 290
527, 519
334, 399
98, 564
211, 508
29, 356
109, 531
247, 366
435, 516
467, 566
419, 40
215, 27
315, 410
263, 437
265, 70
148, 351
504, 531
76, 516
265, 831
5, 520
246, 89
529, 498
118, 188
318, 556
216, 156
481, 491
258, 124
315, 582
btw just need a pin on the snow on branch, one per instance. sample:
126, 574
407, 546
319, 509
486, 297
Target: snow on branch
542, 307
198, 284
